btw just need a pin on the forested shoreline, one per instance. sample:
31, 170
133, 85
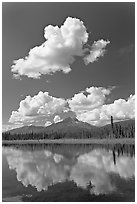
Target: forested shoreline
113, 131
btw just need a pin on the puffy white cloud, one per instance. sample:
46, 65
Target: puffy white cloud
81, 103
120, 109
48, 123
58, 52
88, 106
37, 107
57, 119
97, 50
91, 107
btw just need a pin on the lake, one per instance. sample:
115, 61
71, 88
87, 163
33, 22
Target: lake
68, 173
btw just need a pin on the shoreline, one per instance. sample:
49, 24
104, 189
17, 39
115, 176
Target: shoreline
72, 141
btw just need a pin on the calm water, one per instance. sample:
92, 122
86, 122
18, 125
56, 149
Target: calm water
68, 173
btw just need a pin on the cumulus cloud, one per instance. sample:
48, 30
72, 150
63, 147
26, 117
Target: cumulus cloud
120, 109
57, 119
48, 123
80, 103
88, 106
37, 107
58, 52
97, 50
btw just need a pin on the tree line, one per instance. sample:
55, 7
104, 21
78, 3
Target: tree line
113, 131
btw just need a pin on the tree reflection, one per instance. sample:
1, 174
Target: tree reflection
90, 167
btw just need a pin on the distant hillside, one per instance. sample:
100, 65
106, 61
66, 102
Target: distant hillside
26, 130
72, 128
69, 127
121, 129
123, 124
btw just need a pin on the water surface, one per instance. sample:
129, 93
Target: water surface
68, 173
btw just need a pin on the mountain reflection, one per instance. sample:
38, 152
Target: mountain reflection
90, 170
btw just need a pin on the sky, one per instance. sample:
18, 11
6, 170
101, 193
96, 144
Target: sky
67, 59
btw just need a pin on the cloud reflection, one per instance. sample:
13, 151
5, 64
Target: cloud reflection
97, 166
41, 169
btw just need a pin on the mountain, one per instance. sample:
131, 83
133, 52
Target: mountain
26, 130
72, 128
71, 125
123, 124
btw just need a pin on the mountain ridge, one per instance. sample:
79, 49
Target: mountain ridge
71, 125
64, 125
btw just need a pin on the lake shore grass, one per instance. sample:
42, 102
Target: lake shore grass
72, 141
